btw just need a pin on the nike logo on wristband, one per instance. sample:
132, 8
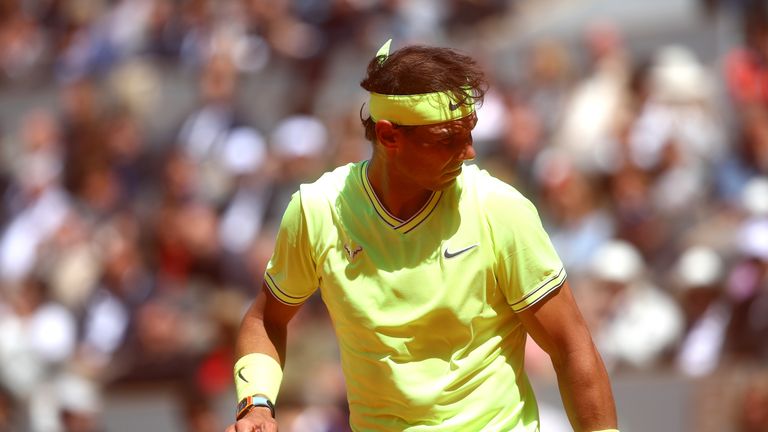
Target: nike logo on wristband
449, 254
240, 375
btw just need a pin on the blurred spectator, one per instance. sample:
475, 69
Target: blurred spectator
350, 143
636, 218
216, 138
635, 324
123, 285
135, 85
753, 406
185, 244
549, 81
471, 13
754, 198
592, 111
300, 146
746, 69
748, 288
79, 402
86, 159
8, 411
675, 134
128, 158
510, 138
232, 175
163, 347
199, 415
490, 127
22, 43
577, 222
698, 276
70, 263
748, 158
37, 338
36, 202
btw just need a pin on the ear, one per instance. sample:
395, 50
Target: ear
387, 134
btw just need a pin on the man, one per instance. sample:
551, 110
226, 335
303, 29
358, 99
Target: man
433, 272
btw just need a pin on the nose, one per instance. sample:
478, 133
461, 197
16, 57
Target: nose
468, 152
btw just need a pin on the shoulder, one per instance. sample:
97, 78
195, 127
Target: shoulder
492, 193
336, 178
335, 181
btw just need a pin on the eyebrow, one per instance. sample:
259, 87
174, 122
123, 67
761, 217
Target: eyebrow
460, 128
446, 131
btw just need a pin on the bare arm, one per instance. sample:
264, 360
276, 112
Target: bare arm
264, 327
263, 330
557, 326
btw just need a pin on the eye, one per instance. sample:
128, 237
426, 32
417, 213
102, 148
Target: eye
453, 142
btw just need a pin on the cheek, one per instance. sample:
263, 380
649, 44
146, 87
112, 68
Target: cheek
433, 162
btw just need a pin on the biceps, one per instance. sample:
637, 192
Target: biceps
271, 310
556, 324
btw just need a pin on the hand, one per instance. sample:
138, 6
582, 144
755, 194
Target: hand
258, 419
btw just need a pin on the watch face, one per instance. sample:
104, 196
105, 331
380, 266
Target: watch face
242, 407
243, 404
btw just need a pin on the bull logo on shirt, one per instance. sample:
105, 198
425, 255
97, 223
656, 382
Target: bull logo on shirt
352, 251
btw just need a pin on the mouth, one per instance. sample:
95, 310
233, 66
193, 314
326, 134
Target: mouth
452, 175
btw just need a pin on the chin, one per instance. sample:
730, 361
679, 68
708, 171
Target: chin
445, 185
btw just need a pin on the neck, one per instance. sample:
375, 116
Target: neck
401, 198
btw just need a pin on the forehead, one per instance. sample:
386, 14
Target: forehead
462, 125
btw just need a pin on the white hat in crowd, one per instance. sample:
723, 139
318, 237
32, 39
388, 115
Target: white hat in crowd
753, 238
699, 266
754, 197
617, 261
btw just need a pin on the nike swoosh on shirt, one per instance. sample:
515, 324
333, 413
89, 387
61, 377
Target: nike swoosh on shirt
448, 254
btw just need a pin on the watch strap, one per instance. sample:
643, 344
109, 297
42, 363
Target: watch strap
249, 402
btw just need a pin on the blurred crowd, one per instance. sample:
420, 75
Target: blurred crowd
129, 252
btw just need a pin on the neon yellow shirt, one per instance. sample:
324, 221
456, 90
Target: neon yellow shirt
424, 309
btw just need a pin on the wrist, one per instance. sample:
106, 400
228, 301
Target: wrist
252, 403
258, 411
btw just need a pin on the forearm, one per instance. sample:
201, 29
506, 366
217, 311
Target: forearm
586, 390
260, 347
260, 352
256, 336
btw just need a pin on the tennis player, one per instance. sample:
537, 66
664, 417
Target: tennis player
433, 272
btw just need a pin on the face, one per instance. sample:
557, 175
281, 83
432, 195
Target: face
431, 156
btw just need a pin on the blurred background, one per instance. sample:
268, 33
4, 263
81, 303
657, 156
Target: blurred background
149, 147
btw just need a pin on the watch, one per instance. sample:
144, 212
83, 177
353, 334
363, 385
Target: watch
245, 405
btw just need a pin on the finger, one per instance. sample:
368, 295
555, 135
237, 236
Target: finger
268, 427
264, 427
244, 427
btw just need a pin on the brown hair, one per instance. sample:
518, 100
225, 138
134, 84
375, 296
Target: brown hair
420, 69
